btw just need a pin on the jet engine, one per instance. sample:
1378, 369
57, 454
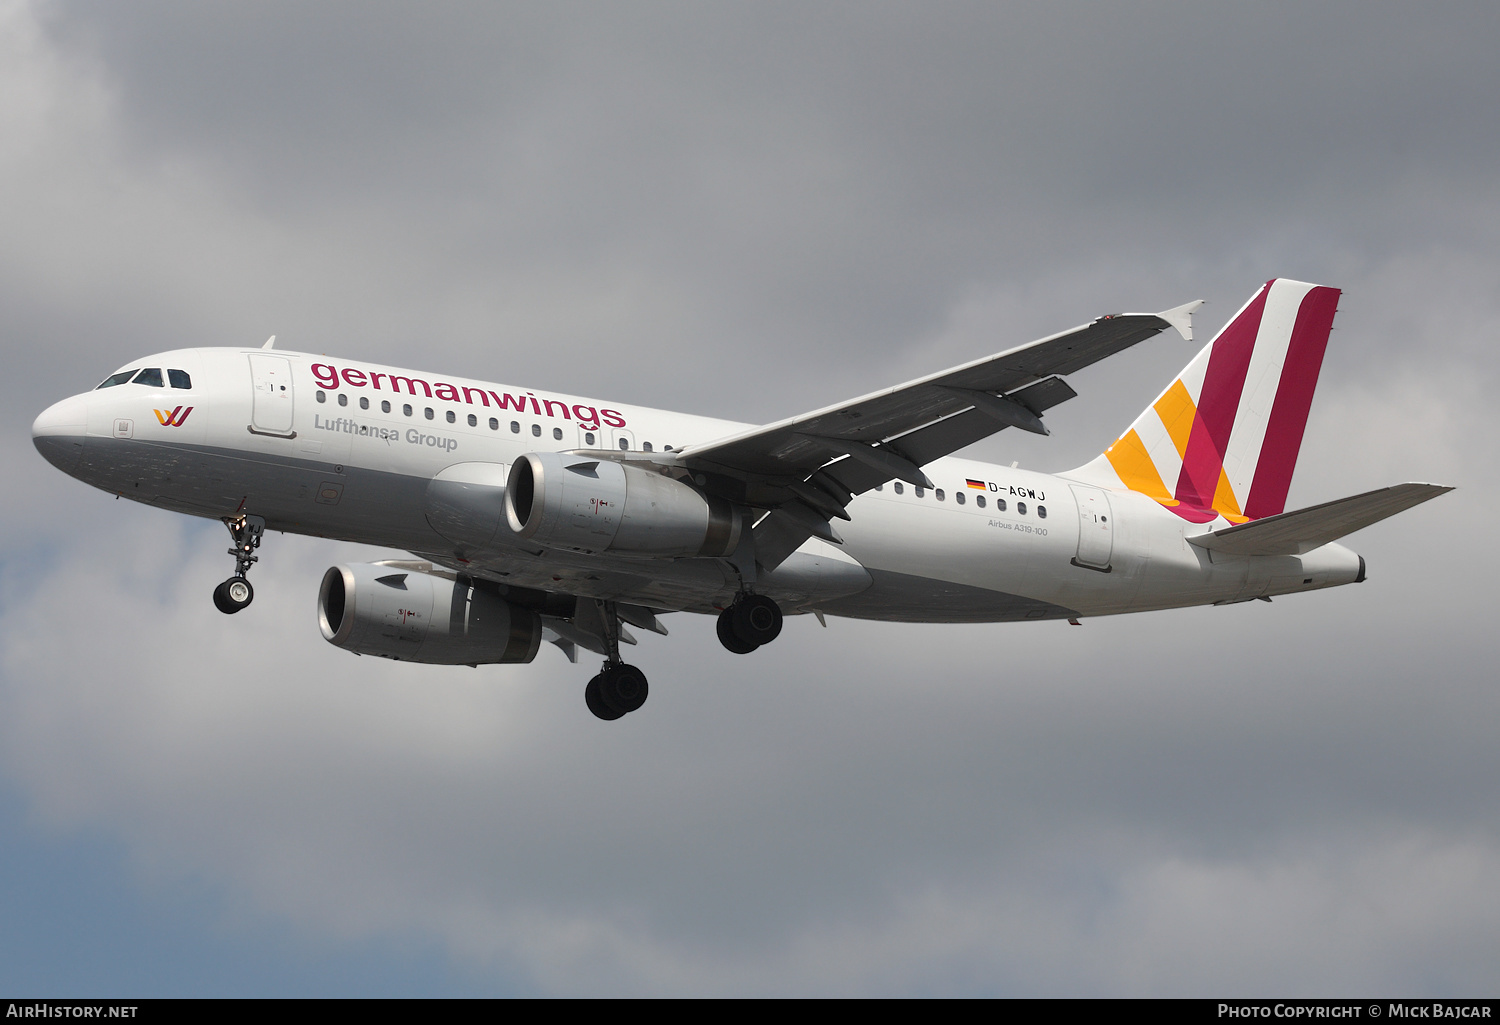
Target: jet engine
411, 612
598, 505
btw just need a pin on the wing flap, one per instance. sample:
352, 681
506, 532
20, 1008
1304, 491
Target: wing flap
1300, 531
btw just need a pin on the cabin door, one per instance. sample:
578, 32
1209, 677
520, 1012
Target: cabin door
1095, 532
271, 377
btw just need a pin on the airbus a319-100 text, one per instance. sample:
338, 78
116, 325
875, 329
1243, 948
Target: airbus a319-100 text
533, 516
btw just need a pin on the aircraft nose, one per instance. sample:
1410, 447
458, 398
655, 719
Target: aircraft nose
59, 432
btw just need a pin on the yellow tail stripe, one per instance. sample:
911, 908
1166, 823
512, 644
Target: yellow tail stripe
1225, 503
1176, 409
1138, 473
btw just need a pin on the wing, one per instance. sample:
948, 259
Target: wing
805, 470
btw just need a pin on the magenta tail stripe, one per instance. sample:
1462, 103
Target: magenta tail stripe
1294, 393
1218, 403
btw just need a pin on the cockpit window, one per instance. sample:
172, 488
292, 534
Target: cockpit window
120, 378
180, 379
151, 377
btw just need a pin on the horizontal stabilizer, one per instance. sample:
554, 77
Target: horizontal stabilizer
1302, 530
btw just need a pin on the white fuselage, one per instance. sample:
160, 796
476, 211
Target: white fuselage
310, 444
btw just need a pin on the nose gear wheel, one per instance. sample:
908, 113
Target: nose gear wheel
233, 595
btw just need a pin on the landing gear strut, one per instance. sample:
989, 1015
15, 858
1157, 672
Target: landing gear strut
619, 689
236, 593
751, 621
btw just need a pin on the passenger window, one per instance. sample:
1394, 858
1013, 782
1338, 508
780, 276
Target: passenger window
645, 446
899, 489
494, 424
1041, 511
114, 379
451, 418
999, 505
557, 434
536, 430
406, 408
880, 487
322, 396
1021, 508
624, 444
958, 496
979, 501
588, 437
427, 412
473, 420
938, 494
515, 428
364, 403
918, 490
180, 379
385, 406
343, 399
151, 378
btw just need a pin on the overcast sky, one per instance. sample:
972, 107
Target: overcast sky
749, 210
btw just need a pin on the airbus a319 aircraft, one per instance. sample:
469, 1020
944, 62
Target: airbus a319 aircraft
535, 516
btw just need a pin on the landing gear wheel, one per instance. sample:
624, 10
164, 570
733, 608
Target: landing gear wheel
623, 688
236, 593
755, 619
596, 703
727, 636
233, 595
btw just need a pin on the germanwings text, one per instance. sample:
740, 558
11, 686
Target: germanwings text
332, 378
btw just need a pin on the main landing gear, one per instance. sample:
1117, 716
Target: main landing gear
236, 593
751, 621
619, 689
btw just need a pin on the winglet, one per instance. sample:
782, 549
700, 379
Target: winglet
1181, 318
271, 343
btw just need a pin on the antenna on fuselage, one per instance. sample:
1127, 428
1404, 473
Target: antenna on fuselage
270, 343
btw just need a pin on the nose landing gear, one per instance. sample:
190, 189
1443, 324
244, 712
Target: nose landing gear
751, 621
236, 593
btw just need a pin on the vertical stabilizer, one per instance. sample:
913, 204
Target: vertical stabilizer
1223, 438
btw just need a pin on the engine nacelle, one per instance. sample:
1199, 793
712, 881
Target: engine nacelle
598, 505
413, 613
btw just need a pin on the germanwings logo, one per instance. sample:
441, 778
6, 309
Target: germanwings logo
176, 418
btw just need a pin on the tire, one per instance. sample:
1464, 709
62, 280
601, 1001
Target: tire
729, 638
755, 619
623, 688
233, 595
596, 703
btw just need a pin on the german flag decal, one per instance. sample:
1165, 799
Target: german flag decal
978, 485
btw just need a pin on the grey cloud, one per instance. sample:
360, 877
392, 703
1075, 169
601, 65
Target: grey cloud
806, 180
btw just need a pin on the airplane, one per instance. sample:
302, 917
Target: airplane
534, 516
